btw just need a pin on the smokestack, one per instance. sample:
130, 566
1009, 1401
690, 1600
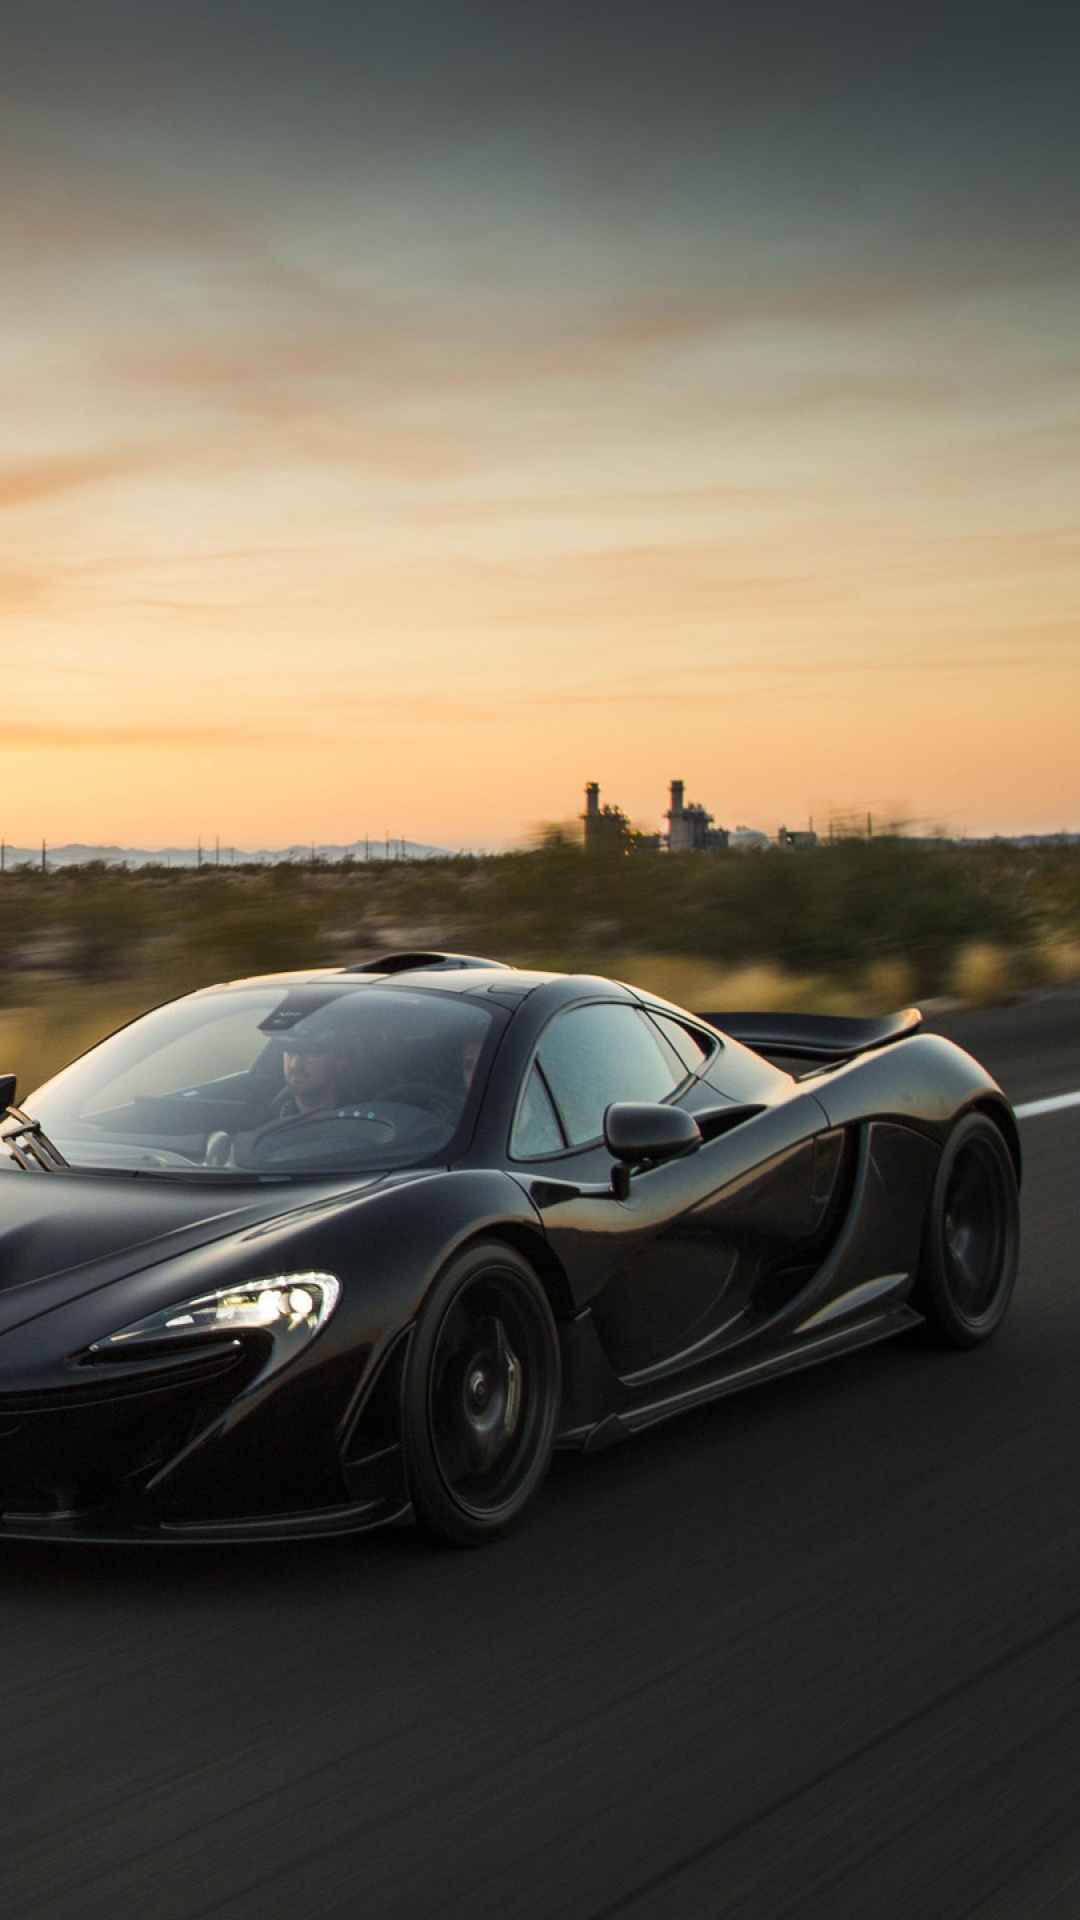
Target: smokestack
677, 789
592, 797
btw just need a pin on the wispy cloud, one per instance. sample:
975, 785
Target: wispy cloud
31, 481
52, 736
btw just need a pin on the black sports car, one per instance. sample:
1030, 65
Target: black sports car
313, 1252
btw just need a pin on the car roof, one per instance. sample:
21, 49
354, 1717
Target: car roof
460, 973
499, 980
506, 986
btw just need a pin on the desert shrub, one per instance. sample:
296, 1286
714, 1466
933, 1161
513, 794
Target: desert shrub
880, 922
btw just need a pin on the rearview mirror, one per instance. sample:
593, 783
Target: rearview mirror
636, 1131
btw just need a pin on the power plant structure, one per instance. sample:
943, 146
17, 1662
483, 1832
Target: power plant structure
690, 829
607, 829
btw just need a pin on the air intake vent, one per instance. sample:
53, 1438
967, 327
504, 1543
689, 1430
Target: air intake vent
425, 962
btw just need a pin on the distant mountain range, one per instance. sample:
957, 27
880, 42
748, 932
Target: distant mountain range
75, 854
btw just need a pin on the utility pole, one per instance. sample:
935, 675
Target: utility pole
43, 865
217, 849
198, 852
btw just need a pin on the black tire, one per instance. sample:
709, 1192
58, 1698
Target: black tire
971, 1241
480, 1397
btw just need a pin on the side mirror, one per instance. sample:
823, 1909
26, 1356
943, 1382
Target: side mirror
7, 1092
636, 1131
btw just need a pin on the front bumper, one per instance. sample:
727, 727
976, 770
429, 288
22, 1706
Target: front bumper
205, 1454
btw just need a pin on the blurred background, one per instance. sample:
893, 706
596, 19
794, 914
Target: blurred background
860, 925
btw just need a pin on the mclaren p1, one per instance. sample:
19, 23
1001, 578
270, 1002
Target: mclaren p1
322, 1251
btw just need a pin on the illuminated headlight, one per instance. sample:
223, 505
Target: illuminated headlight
290, 1306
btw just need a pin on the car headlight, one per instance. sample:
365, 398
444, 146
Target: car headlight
290, 1306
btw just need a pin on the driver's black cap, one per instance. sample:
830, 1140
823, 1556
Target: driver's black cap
324, 1032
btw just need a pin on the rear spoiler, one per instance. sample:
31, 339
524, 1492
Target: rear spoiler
814, 1036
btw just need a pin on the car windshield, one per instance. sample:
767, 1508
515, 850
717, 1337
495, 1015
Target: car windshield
318, 1078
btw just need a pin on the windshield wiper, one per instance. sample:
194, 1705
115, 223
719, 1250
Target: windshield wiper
27, 1142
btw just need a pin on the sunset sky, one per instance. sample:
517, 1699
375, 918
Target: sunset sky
413, 410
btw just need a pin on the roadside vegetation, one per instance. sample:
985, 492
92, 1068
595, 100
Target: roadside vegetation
862, 925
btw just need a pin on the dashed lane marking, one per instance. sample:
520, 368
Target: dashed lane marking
1057, 1103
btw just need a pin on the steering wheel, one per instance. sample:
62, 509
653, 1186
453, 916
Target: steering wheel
218, 1151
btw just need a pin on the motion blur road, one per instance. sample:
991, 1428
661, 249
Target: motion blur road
812, 1652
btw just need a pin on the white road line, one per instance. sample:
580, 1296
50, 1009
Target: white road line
1056, 1104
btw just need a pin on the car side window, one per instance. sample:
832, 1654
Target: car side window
692, 1047
593, 1055
536, 1129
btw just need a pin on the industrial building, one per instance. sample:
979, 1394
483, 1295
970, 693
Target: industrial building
690, 828
607, 829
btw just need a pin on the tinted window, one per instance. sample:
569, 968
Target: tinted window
692, 1047
536, 1129
591, 1056
315, 1077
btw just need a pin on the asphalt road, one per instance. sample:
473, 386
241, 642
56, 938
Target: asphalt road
812, 1652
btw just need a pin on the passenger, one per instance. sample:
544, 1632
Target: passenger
445, 1092
470, 1054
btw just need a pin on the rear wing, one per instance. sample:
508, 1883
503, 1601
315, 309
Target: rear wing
814, 1036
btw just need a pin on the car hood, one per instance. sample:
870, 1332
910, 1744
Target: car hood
64, 1234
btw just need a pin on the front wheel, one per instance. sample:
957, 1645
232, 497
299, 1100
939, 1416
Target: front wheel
481, 1396
972, 1236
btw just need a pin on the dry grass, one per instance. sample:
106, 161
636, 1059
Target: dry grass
887, 986
697, 983
37, 1039
984, 975
760, 988
1057, 960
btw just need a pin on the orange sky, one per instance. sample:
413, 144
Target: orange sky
354, 482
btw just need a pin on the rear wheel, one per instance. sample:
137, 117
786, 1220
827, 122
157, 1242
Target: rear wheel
972, 1237
481, 1396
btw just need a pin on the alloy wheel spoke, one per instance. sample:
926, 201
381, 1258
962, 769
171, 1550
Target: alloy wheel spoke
484, 1421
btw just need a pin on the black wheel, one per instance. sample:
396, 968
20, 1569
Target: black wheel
481, 1396
972, 1237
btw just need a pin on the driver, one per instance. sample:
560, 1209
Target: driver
318, 1068
311, 1081
318, 1062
